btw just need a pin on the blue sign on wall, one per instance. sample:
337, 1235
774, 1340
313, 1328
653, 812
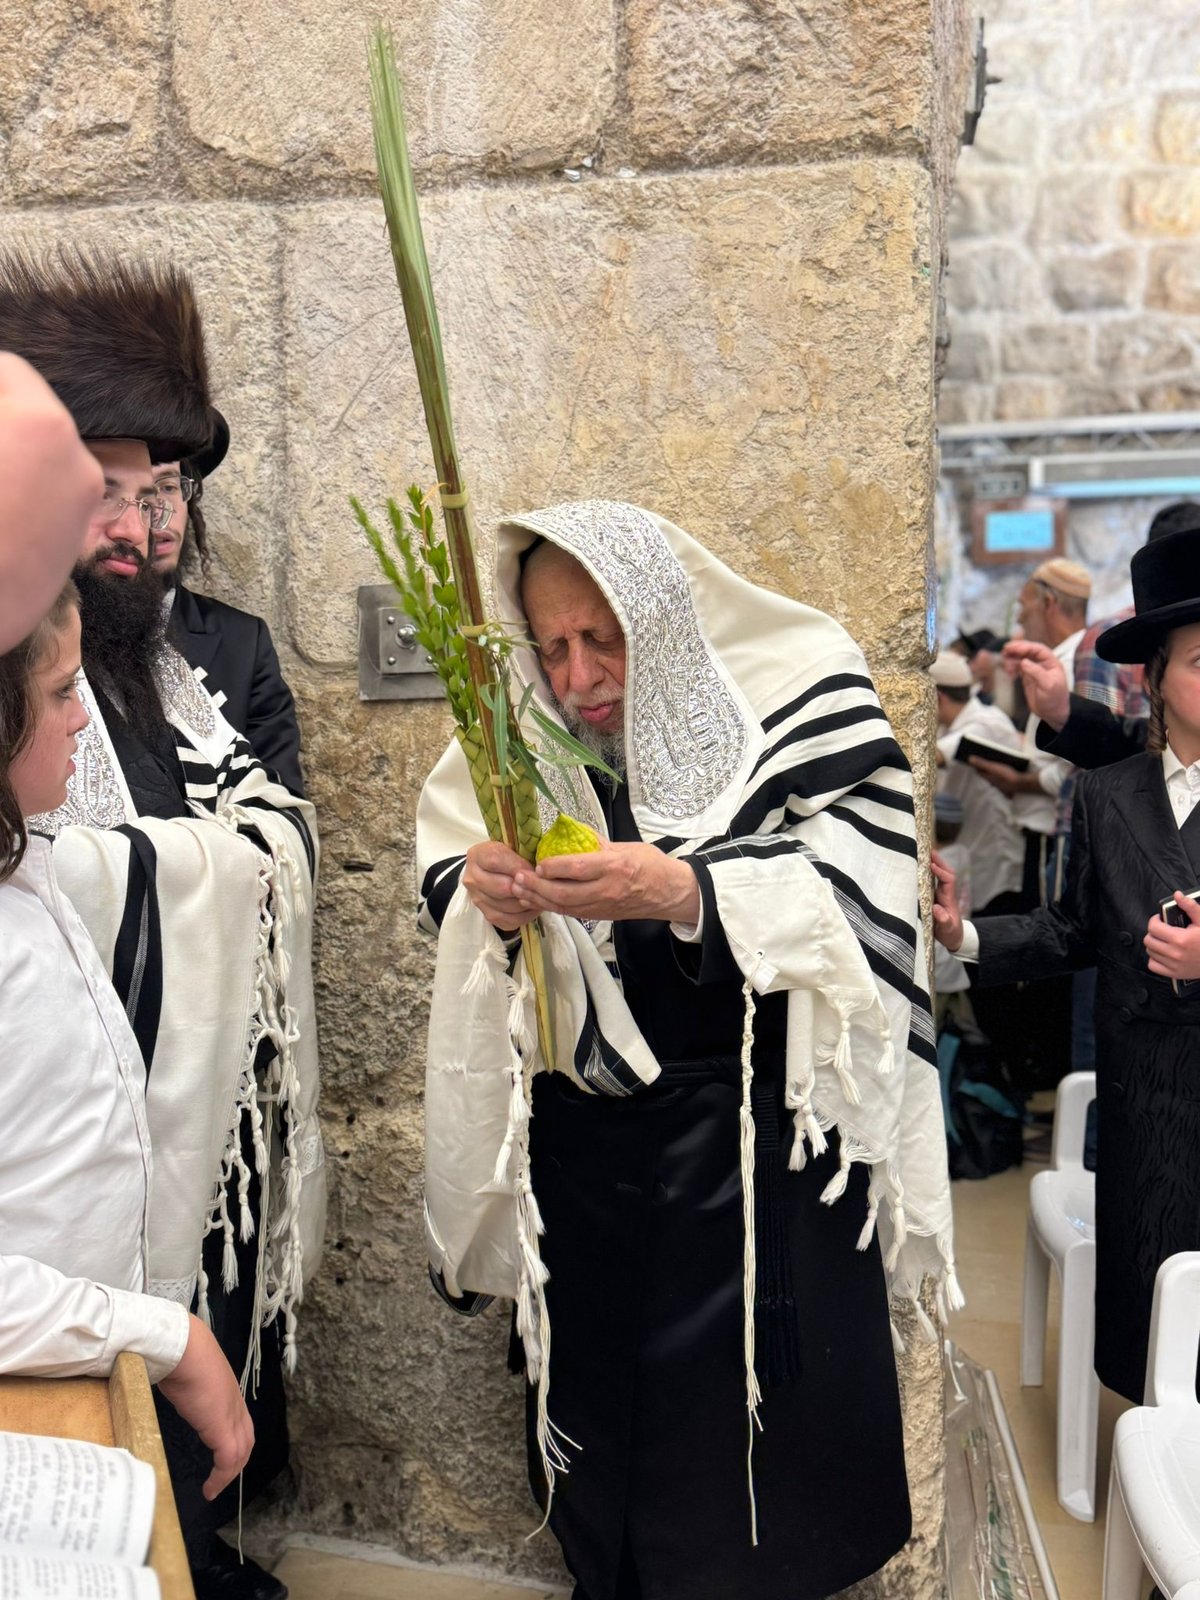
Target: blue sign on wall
1008, 531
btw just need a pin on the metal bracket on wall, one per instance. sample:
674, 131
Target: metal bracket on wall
391, 664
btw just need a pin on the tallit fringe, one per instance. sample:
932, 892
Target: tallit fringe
749, 1254
533, 1317
278, 1277
486, 968
812, 1124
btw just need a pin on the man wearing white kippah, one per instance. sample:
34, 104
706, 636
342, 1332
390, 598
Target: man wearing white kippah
1053, 611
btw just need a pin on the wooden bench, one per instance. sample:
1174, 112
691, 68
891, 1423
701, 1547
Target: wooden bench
115, 1410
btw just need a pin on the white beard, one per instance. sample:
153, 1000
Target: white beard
610, 747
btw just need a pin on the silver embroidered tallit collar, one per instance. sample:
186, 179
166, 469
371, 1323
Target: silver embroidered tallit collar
690, 735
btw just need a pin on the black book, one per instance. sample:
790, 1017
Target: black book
970, 745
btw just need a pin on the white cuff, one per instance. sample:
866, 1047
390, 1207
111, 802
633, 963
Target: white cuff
968, 950
155, 1329
687, 935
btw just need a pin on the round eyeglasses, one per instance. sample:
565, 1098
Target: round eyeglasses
155, 514
177, 488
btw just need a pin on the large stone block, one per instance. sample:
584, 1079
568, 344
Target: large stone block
732, 78
1029, 399
1030, 59
80, 110
749, 354
229, 250
992, 277
283, 91
1143, 347
1116, 131
1077, 207
406, 1429
1010, 135
1094, 282
1163, 202
1181, 394
1177, 128
991, 204
972, 355
1175, 279
964, 403
1056, 349
1130, 52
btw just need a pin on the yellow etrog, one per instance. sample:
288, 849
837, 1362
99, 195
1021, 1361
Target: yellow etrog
567, 838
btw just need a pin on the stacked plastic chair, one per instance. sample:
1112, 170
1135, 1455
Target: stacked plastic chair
1154, 1490
1061, 1231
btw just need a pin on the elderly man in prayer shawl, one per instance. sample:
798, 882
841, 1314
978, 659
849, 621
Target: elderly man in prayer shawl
191, 868
742, 1137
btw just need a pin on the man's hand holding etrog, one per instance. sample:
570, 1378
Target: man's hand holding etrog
488, 879
618, 882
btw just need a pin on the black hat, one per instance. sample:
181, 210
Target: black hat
204, 462
1166, 595
120, 342
983, 639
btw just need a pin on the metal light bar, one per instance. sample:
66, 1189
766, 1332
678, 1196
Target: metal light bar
1132, 422
1125, 488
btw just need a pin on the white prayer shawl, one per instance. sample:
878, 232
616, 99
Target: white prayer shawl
755, 747
231, 958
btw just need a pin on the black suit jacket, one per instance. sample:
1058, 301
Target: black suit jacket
1127, 855
235, 652
1093, 736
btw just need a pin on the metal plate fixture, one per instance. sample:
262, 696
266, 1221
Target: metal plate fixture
391, 664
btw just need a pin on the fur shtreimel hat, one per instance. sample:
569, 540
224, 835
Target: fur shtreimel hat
120, 342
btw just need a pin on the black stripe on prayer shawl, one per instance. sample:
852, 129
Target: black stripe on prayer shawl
257, 803
437, 890
887, 943
895, 798
889, 946
899, 842
849, 717
599, 1063
206, 783
841, 680
808, 780
137, 973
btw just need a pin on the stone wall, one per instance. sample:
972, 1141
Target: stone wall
684, 254
1074, 286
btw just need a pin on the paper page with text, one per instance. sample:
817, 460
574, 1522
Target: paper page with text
69, 1497
33, 1577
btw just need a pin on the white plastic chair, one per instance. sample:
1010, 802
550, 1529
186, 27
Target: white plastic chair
1154, 1490
1062, 1230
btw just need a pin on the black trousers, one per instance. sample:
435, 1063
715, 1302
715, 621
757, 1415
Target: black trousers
189, 1460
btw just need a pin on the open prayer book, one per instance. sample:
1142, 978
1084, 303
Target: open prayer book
75, 1521
987, 750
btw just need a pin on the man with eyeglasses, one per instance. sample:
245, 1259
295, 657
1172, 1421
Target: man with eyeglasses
181, 852
233, 649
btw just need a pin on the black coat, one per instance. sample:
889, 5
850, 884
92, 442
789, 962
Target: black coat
1093, 736
642, 1202
1127, 856
235, 652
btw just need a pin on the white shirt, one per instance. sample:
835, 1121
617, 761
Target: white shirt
1039, 812
1183, 791
989, 832
1183, 785
74, 1150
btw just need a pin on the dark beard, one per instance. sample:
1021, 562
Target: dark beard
123, 635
